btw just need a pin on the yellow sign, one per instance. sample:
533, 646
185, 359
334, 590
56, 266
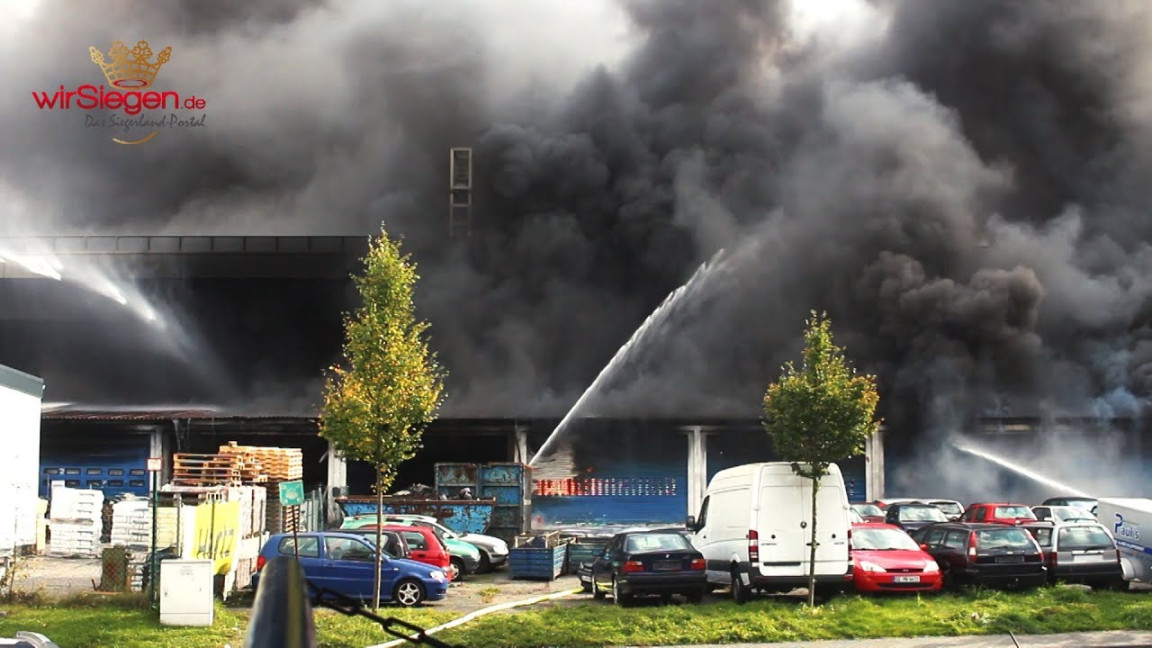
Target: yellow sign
217, 534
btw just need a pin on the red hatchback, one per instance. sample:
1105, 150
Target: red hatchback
886, 559
999, 513
423, 545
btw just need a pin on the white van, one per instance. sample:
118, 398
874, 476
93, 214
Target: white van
753, 530
1129, 520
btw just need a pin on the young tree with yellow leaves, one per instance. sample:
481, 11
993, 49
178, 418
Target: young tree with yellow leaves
818, 415
378, 402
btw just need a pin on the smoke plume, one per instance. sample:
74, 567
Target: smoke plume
961, 186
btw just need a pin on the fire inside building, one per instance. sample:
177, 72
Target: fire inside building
276, 305
180, 344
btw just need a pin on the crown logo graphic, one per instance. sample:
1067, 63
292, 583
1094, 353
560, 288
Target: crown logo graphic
130, 68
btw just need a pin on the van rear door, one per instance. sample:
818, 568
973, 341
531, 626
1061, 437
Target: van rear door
784, 527
831, 528
782, 538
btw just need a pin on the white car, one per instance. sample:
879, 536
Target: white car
493, 550
1062, 514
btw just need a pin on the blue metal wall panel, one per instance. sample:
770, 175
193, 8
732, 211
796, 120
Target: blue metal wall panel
629, 475
731, 449
115, 467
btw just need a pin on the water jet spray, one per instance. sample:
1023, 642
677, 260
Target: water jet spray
1018, 469
659, 315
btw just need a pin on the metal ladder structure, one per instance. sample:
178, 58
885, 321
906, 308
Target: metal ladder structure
460, 193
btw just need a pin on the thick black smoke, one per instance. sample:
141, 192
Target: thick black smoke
960, 185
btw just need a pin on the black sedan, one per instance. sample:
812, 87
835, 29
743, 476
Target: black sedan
649, 562
913, 516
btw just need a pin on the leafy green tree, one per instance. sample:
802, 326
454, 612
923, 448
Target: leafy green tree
817, 415
378, 402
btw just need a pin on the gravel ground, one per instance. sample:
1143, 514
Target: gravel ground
57, 577
482, 590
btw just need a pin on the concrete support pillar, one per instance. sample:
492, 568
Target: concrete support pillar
337, 470
337, 479
697, 468
874, 466
520, 445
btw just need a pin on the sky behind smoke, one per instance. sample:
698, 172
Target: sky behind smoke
961, 185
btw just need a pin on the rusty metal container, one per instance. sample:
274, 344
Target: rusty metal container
451, 478
510, 485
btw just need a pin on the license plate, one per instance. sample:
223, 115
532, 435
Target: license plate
1009, 559
667, 565
1087, 558
906, 579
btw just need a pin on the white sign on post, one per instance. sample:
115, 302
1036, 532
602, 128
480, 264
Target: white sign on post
155, 464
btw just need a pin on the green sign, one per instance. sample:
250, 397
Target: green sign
292, 493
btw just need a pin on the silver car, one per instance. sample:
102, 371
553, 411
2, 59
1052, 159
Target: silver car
1079, 553
1062, 514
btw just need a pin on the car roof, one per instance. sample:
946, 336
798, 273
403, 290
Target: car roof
343, 533
975, 526
876, 525
998, 504
403, 527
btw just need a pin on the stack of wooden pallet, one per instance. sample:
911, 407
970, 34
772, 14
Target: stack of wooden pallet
251, 470
268, 464
205, 469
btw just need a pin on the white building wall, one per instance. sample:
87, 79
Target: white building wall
19, 467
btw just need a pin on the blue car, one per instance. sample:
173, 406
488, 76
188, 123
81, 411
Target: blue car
343, 562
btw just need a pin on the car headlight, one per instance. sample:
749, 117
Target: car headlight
500, 548
931, 567
870, 566
437, 575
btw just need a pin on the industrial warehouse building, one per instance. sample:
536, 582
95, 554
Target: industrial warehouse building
264, 307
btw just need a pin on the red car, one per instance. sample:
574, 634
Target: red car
999, 513
423, 545
886, 559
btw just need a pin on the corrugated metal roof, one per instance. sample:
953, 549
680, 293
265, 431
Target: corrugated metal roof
155, 414
21, 382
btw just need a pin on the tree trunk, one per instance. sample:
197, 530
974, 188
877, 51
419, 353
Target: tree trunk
812, 551
379, 539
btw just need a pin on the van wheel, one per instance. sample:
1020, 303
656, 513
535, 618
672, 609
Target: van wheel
740, 592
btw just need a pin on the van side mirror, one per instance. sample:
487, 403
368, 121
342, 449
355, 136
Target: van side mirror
690, 523
923, 547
